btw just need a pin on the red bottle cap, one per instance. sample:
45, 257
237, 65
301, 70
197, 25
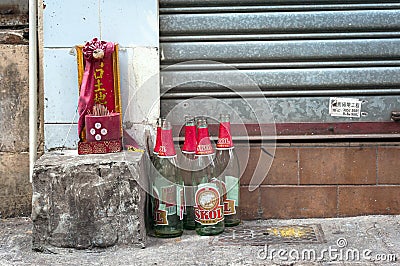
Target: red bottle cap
167, 148
189, 146
224, 136
204, 146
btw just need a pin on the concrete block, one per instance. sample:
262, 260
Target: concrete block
89, 200
15, 188
14, 126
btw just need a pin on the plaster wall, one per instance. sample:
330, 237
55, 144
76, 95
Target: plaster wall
132, 24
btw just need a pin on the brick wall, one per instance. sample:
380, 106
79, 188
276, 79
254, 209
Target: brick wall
325, 180
15, 189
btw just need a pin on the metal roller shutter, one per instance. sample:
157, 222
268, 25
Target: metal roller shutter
299, 54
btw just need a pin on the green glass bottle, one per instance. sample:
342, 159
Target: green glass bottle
208, 209
153, 172
186, 163
227, 165
167, 189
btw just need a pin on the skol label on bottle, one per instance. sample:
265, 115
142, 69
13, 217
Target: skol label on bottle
208, 209
204, 149
204, 146
167, 148
224, 137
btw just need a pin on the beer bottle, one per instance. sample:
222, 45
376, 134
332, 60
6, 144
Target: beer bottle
209, 209
187, 161
158, 142
227, 165
167, 189
153, 173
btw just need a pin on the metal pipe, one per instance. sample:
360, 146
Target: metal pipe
279, 36
33, 81
276, 8
293, 93
305, 137
285, 65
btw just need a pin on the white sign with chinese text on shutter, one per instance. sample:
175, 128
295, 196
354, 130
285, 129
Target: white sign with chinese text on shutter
344, 107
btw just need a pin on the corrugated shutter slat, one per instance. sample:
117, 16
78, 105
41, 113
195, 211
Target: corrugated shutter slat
310, 49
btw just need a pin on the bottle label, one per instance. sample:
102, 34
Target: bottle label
167, 148
189, 146
168, 200
204, 146
231, 198
159, 212
224, 136
208, 209
206, 149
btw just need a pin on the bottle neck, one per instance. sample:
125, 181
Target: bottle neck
160, 121
189, 146
204, 146
224, 137
167, 148
158, 140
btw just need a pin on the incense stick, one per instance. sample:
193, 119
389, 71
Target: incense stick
100, 110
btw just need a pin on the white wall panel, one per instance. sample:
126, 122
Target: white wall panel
67, 23
56, 135
131, 23
61, 86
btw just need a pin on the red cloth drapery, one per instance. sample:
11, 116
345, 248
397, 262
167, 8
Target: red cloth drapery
98, 80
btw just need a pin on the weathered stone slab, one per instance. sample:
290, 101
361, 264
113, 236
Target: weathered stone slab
18, 36
14, 98
15, 188
89, 200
